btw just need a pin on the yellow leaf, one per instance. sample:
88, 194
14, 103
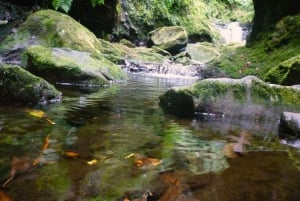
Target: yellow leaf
129, 155
36, 113
92, 162
50, 121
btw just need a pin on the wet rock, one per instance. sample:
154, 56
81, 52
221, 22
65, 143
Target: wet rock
20, 86
286, 73
246, 97
202, 52
50, 29
60, 65
173, 39
289, 127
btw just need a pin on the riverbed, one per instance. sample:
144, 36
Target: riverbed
117, 144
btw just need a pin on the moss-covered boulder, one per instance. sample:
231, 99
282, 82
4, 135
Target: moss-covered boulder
202, 52
286, 73
286, 31
50, 29
248, 97
173, 39
71, 66
19, 86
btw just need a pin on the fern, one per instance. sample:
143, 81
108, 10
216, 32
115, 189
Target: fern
64, 5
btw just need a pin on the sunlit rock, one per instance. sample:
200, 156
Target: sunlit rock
20, 86
60, 65
173, 39
246, 97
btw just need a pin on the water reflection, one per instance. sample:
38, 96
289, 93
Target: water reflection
105, 126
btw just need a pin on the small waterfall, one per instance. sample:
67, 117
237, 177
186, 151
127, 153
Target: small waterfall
233, 32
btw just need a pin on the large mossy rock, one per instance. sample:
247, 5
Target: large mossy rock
286, 73
173, 39
50, 29
19, 86
71, 66
249, 97
202, 52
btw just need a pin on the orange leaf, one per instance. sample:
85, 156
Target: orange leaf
4, 196
46, 143
18, 165
154, 161
71, 154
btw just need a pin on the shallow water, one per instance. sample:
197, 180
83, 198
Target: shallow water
116, 143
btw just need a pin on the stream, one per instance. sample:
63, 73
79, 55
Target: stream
117, 144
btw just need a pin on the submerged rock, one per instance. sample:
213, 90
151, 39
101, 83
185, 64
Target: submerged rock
173, 39
246, 97
19, 86
289, 127
50, 29
60, 65
286, 73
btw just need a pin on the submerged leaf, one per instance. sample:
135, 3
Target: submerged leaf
4, 196
238, 146
18, 165
36, 113
40, 114
92, 162
71, 154
141, 160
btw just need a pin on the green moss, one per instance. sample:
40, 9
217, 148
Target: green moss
275, 95
20, 86
65, 65
286, 73
52, 29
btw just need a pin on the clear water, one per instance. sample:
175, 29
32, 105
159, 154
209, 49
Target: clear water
103, 126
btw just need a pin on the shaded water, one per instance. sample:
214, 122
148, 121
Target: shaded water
126, 145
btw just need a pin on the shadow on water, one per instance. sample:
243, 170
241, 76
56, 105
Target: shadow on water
89, 151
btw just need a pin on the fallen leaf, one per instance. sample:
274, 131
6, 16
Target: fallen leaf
238, 145
40, 114
18, 165
92, 162
141, 160
229, 151
4, 196
50, 121
71, 154
46, 143
36, 113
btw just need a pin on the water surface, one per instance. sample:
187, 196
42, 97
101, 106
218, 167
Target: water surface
126, 146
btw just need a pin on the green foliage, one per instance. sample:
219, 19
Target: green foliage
65, 5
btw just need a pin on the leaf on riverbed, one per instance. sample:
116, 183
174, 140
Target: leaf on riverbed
92, 162
232, 150
71, 154
4, 196
36, 113
39, 114
18, 165
141, 160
